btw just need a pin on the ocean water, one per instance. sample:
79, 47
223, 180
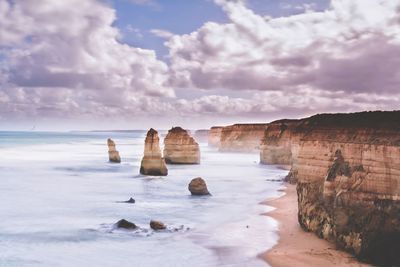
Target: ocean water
59, 200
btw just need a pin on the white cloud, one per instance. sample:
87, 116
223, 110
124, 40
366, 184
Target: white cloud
263, 53
60, 57
162, 33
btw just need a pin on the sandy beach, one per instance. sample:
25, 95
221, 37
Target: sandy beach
297, 247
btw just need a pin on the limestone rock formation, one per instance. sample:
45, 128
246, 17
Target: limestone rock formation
156, 225
348, 172
198, 187
201, 135
180, 147
125, 224
153, 163
113, 154
242, 137
214, 136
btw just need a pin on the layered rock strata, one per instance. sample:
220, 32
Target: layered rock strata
153, 163
180, 147
280, 144
113, 154
347, 168
214, 136
242, 137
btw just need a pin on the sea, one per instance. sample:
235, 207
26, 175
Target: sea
60, 199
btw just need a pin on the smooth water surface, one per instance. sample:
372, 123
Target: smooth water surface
59, 201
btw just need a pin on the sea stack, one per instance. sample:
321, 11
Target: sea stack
153, 163
113, 154
180, 147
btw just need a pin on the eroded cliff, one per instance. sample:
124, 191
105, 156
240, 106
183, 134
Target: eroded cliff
347, 168
214, 136
242, 137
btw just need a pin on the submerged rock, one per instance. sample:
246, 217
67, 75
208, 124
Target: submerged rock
113, 154
156, 225
180, 147
125, 224
198, 187
152, 162
131, 200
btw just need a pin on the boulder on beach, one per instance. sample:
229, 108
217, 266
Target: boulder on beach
198, 187
125, 224
113, 154
157, 225
180, 147
153, 163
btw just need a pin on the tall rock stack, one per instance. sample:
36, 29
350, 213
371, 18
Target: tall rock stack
153, 163
113, 154
180, 147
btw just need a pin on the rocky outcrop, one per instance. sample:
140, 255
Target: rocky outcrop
125, 225
180, 147
198, 187
214, 136
347, 168
201, 135
157, 225
242, 137
113, 154
280, 144
153, 163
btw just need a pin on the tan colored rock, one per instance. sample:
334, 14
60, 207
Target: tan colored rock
113, 154
153, 163
180, 147
156, 225
198, 187
242, 137
280, 145
348, 172
214, 136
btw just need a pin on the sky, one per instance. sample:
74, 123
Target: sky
135, 64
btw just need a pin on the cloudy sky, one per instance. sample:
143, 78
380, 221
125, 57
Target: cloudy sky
130, 64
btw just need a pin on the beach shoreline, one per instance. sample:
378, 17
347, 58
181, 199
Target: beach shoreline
296, 247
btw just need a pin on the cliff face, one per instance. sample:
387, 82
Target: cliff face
152, 162
242, 137
280, 144
214, 136
347, 168
180, 147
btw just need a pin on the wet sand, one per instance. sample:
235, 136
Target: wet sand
297, 247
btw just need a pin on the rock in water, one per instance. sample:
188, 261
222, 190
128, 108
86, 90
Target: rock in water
180, 147
198, 187
125, 224
152, 162
113, 154
131, 200
156, 225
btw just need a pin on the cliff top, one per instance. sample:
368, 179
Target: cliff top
369, 119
